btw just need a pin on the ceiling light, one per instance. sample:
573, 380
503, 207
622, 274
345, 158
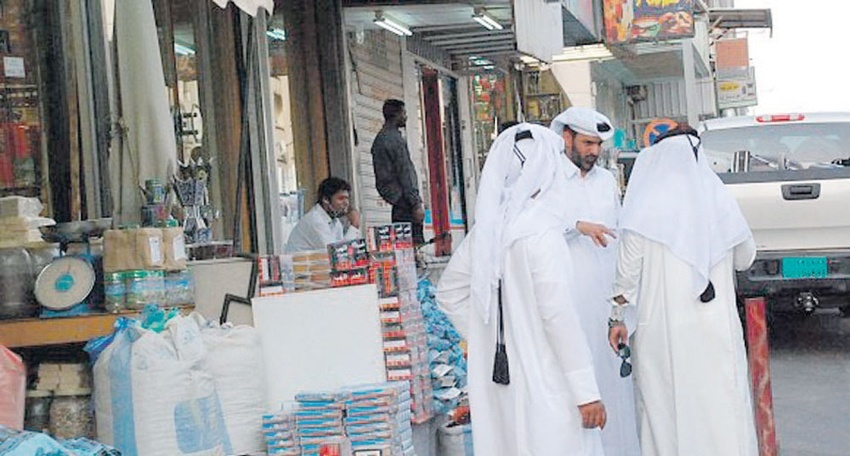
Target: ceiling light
276, 34
589, 52
181, 49
391, 25
486, 21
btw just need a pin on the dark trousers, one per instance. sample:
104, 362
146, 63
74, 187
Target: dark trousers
405, 214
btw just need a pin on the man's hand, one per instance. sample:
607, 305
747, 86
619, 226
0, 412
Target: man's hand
618, 334
418, 213
596, 232
593, 415
354, 218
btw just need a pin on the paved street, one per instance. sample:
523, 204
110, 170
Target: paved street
810, 364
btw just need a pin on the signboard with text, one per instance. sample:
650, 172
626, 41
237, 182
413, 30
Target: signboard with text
736, 89
632, 21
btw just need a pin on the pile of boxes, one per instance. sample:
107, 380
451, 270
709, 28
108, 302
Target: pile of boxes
393, 270
311, 427
378, 419
369, 419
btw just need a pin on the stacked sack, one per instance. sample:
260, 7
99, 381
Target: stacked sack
195, 388
448, 364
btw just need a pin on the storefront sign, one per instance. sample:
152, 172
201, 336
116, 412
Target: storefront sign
736, 90
629, 21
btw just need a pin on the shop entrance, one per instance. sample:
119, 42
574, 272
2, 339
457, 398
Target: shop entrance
447, 215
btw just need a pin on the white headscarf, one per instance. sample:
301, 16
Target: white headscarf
585, 121
678, 201
505, 210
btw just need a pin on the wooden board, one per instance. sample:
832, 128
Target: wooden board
319, 340
36, 332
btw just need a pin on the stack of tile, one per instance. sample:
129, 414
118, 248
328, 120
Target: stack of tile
281, 434
319, 420
312, 270
393, 270
378, 419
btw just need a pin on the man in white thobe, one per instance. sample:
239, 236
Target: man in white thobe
683, 235
515, 259
592, 208
331, 220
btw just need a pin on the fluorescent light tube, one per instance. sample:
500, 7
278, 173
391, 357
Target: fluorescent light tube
180, 49
486, 21
390, 25
276, 34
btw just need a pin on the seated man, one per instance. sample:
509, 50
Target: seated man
330, 220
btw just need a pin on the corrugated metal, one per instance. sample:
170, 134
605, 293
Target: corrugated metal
663, 99
539, 28
377, 75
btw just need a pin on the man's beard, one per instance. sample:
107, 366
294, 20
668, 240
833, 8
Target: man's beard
585, 164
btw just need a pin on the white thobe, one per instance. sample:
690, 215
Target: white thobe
316, 230
595, 198
690, 366
551, 369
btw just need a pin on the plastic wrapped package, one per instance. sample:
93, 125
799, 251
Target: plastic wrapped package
71, 414
37, 417
13, 384
22, 443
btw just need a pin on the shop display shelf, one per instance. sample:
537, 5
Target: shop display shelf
39, 332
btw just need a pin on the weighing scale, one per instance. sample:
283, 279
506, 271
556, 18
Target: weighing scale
70, 284
65, 284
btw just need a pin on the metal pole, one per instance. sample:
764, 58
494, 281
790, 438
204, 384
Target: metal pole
759, 359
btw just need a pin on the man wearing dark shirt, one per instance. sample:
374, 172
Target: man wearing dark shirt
395, 175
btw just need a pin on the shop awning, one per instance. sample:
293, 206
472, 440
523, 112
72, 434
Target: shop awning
515, 28
733, 18
249, 6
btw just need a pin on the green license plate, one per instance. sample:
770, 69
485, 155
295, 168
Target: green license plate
804, 268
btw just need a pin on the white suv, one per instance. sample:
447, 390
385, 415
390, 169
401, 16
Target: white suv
791, 176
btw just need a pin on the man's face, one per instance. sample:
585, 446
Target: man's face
582, 149
402, 118
338, 204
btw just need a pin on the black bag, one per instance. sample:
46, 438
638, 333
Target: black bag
501, 372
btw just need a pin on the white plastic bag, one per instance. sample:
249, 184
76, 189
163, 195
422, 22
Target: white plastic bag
155, 395
236, 363
455, 440
13, 384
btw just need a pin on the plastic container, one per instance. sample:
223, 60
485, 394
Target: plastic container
144, 287
179, 288
16, 284
114, 291
71, 414
37, 413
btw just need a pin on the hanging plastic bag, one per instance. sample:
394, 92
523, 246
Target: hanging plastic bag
13, 385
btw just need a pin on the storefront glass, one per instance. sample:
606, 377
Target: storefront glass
489, 109
291, 199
